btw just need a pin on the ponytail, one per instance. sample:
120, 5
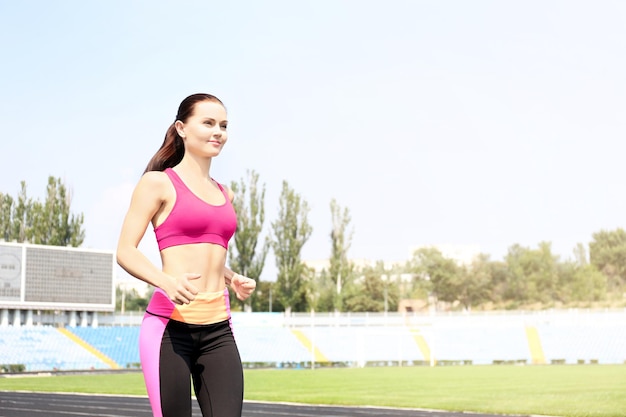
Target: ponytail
170, 154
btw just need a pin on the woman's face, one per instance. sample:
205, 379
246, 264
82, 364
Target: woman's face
204, 133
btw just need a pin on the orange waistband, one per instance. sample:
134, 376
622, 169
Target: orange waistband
206, 308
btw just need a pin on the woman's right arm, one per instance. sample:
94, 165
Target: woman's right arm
147, 199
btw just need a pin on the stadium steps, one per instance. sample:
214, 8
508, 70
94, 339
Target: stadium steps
422, 344
534, 345
119, 343
104, 358
319, 356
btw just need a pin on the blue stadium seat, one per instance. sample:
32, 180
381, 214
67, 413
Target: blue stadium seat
44, 348
479, 339
120, 343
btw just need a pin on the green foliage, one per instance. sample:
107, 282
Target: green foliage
340, 269
46, 223
475, 282
290, 231
325, 292
533, 273
12, 368
373, 291
244, 256
6, 224
22, 216
581, 283
526, 276
607, 252
266, 298
130, 300
443, 273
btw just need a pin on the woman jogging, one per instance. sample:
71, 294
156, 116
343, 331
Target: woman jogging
186, 330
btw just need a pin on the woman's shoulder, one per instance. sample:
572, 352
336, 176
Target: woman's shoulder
154, 177
154, 180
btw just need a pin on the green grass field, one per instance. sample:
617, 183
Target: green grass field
555, 390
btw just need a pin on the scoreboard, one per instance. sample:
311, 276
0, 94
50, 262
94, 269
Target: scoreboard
56, 278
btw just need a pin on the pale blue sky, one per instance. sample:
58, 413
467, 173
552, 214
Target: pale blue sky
483, 123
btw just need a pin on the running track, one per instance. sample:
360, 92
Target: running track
28, 404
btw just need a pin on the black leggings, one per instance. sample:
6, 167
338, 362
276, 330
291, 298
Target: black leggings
172, 351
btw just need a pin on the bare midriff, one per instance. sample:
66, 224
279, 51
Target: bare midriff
206, 259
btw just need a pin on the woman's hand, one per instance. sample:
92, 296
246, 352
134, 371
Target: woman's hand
181, 290
242, 286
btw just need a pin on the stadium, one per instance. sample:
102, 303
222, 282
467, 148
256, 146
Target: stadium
71, 326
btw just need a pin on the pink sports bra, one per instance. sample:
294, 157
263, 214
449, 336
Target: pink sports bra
192, 220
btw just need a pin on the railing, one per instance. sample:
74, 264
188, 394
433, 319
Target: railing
363, 319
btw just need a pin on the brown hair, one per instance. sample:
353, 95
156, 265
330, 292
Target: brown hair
172, 150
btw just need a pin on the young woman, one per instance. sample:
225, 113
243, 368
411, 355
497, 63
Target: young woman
186, 330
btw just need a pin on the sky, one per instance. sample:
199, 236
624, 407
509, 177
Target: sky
482, 123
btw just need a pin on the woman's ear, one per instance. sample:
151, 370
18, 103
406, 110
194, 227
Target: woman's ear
180, 128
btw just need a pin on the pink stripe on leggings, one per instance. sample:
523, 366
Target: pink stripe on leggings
150, 337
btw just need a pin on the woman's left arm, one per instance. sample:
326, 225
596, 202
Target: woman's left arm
242, 286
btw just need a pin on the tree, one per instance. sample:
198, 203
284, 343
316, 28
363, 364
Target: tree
443, 273
130, 300
249, 204
607, 252
516, 282
545, 276
499, 281
290, 232
312, 285
22, 216
581, 283
266, 299
584, 282
52, 222
47, 223
6, 205
533, 274
369, 297
340, 269
325, 292
373, 291
475, 282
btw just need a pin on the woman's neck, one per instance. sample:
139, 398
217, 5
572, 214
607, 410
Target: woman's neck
200, 167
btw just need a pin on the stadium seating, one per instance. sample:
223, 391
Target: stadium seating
119, 343
584, 342
270, 345
361, 345
43, 348
274, 340
478, 343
